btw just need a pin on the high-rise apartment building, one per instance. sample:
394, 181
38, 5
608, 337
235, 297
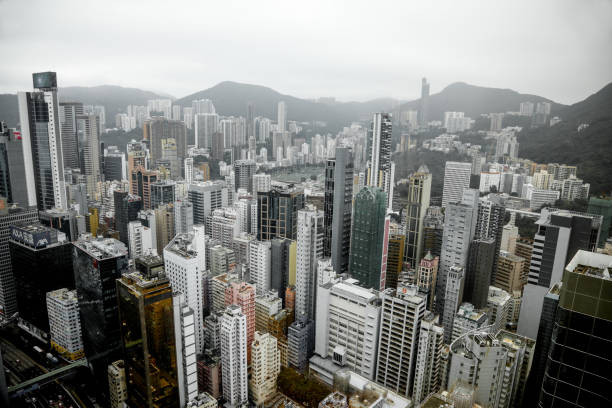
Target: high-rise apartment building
281, 112
244, 170
206, 124
261, 182
381, 170
453, 295
65, 323
426, 277
467, 319
433, 227
117, 384
42, 145
282, 251
140, 184
265, 367
310, 237
158, 129
162, 192
234, 356
185, 264
206, 197
419, 192
338, 206
395, 259
510, 276
423, 114
428, 372
242, 294
127, 207
140, 240
370, 238
266, 306
260, 261
401, 314
456, 180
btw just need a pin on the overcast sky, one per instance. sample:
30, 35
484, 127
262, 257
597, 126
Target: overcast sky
348, 49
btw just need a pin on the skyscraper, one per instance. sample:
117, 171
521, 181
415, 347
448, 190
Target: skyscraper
424, 103
260, 261
243, 174
234, 356
147, 324
265, 367
277, 212
281, 116
381, 170
42, 147
158, 129
12, 168
338, 206
68, 112
88, 131
65, 323
452, 298
206, 197
310, 236
580, 343
419, 191
206, 124
480, 264
185, 264
428, 372
370, 238
456, 180
141, 181
127, 207
402, 311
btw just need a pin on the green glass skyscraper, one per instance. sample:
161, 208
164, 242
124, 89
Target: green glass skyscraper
370, 238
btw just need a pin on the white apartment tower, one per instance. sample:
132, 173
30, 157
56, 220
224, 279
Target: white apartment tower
310, 236
452, 298
265, 367
234, 356
456, 179
427, 375
65, 323
260, 259
281, 117
185, 265
140, 240
402, 312
186, 356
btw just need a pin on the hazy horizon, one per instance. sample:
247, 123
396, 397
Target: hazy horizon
326, 50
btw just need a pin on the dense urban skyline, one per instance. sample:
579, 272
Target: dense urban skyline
322, 50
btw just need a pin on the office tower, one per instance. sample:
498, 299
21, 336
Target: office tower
419, 191
42, 149
158, 129
433, 227
117, 384
183, 216
459, 230
185, 332
580, 342
243, 174
88, 131
8, 217
400, 321
280, 252
603, 207
161, 192
510, 275
41, 260
543, 343
265, 367
65, 323
395, 259
206, 197
206, 124
147, 336
217, 148
310, 237
338, 206
381, 169
163, 220
453, 295
369, 238
140, 240
428, 359
185, 264
136, 156
140, 185
424, 103
300, 336
353, 344
97, 264
560, 235
281, 112
468, 319
266, 306
427, 273
234, 356
261, 182
456, 180
127, 207
12, 169
480, 264
277, 212
260, 260
490, 224
114, 164
68, 112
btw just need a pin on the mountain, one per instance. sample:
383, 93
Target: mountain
475, 100
231, 98
114, 98
590, 149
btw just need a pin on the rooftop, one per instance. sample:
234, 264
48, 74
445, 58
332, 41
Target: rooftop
101, 248
591, 263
